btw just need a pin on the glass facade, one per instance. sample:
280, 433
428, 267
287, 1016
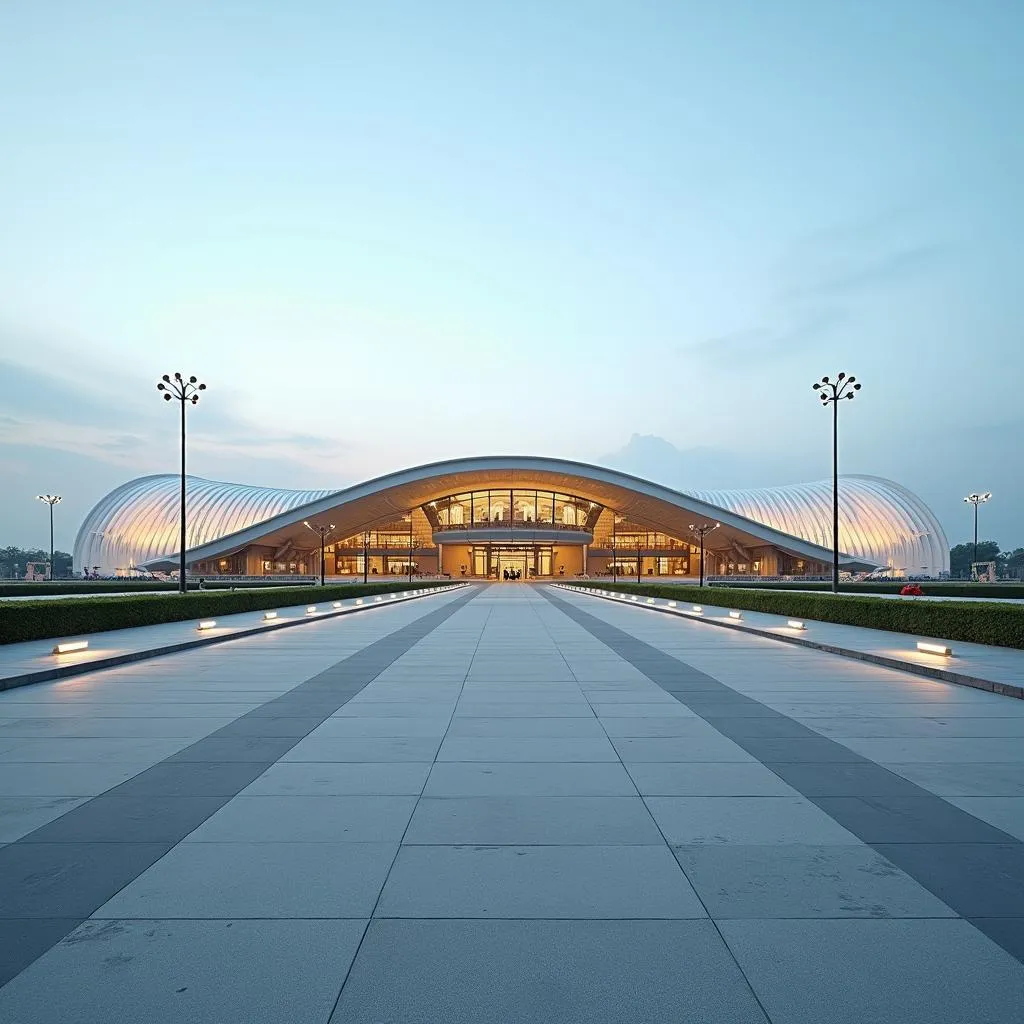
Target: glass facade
510, 507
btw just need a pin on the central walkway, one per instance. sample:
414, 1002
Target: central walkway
509, 804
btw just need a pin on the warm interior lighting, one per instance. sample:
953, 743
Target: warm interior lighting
269, 615
934, 648
735, 615
795, 624
70, 646
206, 624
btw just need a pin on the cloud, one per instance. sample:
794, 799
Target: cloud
46, 410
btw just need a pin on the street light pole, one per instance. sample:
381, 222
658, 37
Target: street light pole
53, 499
832, 393
322, 532
183, 391
976, 499
410, 547
701, 532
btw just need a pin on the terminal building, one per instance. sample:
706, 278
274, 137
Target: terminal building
480, 517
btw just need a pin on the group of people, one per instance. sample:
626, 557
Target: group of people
512, 574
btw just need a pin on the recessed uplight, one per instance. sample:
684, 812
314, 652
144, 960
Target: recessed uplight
735, 615
311, 609
697, 609
206, 624
267, 616
70, 646
795, 624
940, 649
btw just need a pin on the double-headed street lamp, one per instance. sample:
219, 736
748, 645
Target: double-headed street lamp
976, 499
701, 531
832, 393
54, 499
322, 532
184, 391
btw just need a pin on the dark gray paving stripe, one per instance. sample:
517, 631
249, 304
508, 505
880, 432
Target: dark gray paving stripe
973, 867
57, 876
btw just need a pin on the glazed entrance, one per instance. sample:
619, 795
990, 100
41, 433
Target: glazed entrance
531, 560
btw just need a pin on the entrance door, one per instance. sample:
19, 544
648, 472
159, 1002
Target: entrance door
512, 561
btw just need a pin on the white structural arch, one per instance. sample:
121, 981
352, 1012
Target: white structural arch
881, 523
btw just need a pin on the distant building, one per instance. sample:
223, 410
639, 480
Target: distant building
477, 517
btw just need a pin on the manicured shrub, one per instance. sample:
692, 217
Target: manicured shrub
979, 622
1006, 591
39, 620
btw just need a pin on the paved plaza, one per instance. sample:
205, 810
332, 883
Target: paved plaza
510, 803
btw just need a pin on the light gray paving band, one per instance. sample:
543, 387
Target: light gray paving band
57, 876
126, 658
973, 867
944, 675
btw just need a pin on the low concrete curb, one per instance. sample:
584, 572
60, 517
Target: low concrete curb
945, 675
62, 671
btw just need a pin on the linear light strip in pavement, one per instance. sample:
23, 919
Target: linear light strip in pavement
944, 675
974, 868
223, 635
54, 878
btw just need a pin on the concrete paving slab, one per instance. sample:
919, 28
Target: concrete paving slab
308, 819
166, 972
803, 881
520, 972
546, 882
520, 778
849, 972
528, 821
341, 779
258, 880
744, 820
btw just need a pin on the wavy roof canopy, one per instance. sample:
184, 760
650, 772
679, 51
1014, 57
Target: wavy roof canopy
878, 520
137, 524
138, 521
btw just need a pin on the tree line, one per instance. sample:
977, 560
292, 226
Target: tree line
1008, 563
14, 562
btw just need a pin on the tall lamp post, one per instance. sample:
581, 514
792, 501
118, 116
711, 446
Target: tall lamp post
323, 532
832, 393
411, 545
54, 499
975, 499
184, 391
700, 532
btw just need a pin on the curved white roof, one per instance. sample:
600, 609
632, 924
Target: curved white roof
139, 520
879, 521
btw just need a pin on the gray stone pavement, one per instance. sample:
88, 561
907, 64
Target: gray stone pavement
510, 803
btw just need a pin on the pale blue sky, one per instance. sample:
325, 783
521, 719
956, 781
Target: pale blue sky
391, 233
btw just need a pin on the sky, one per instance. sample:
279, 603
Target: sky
387, 234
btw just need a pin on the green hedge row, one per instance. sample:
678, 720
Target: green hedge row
974, 622
1006, 591
40, 620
